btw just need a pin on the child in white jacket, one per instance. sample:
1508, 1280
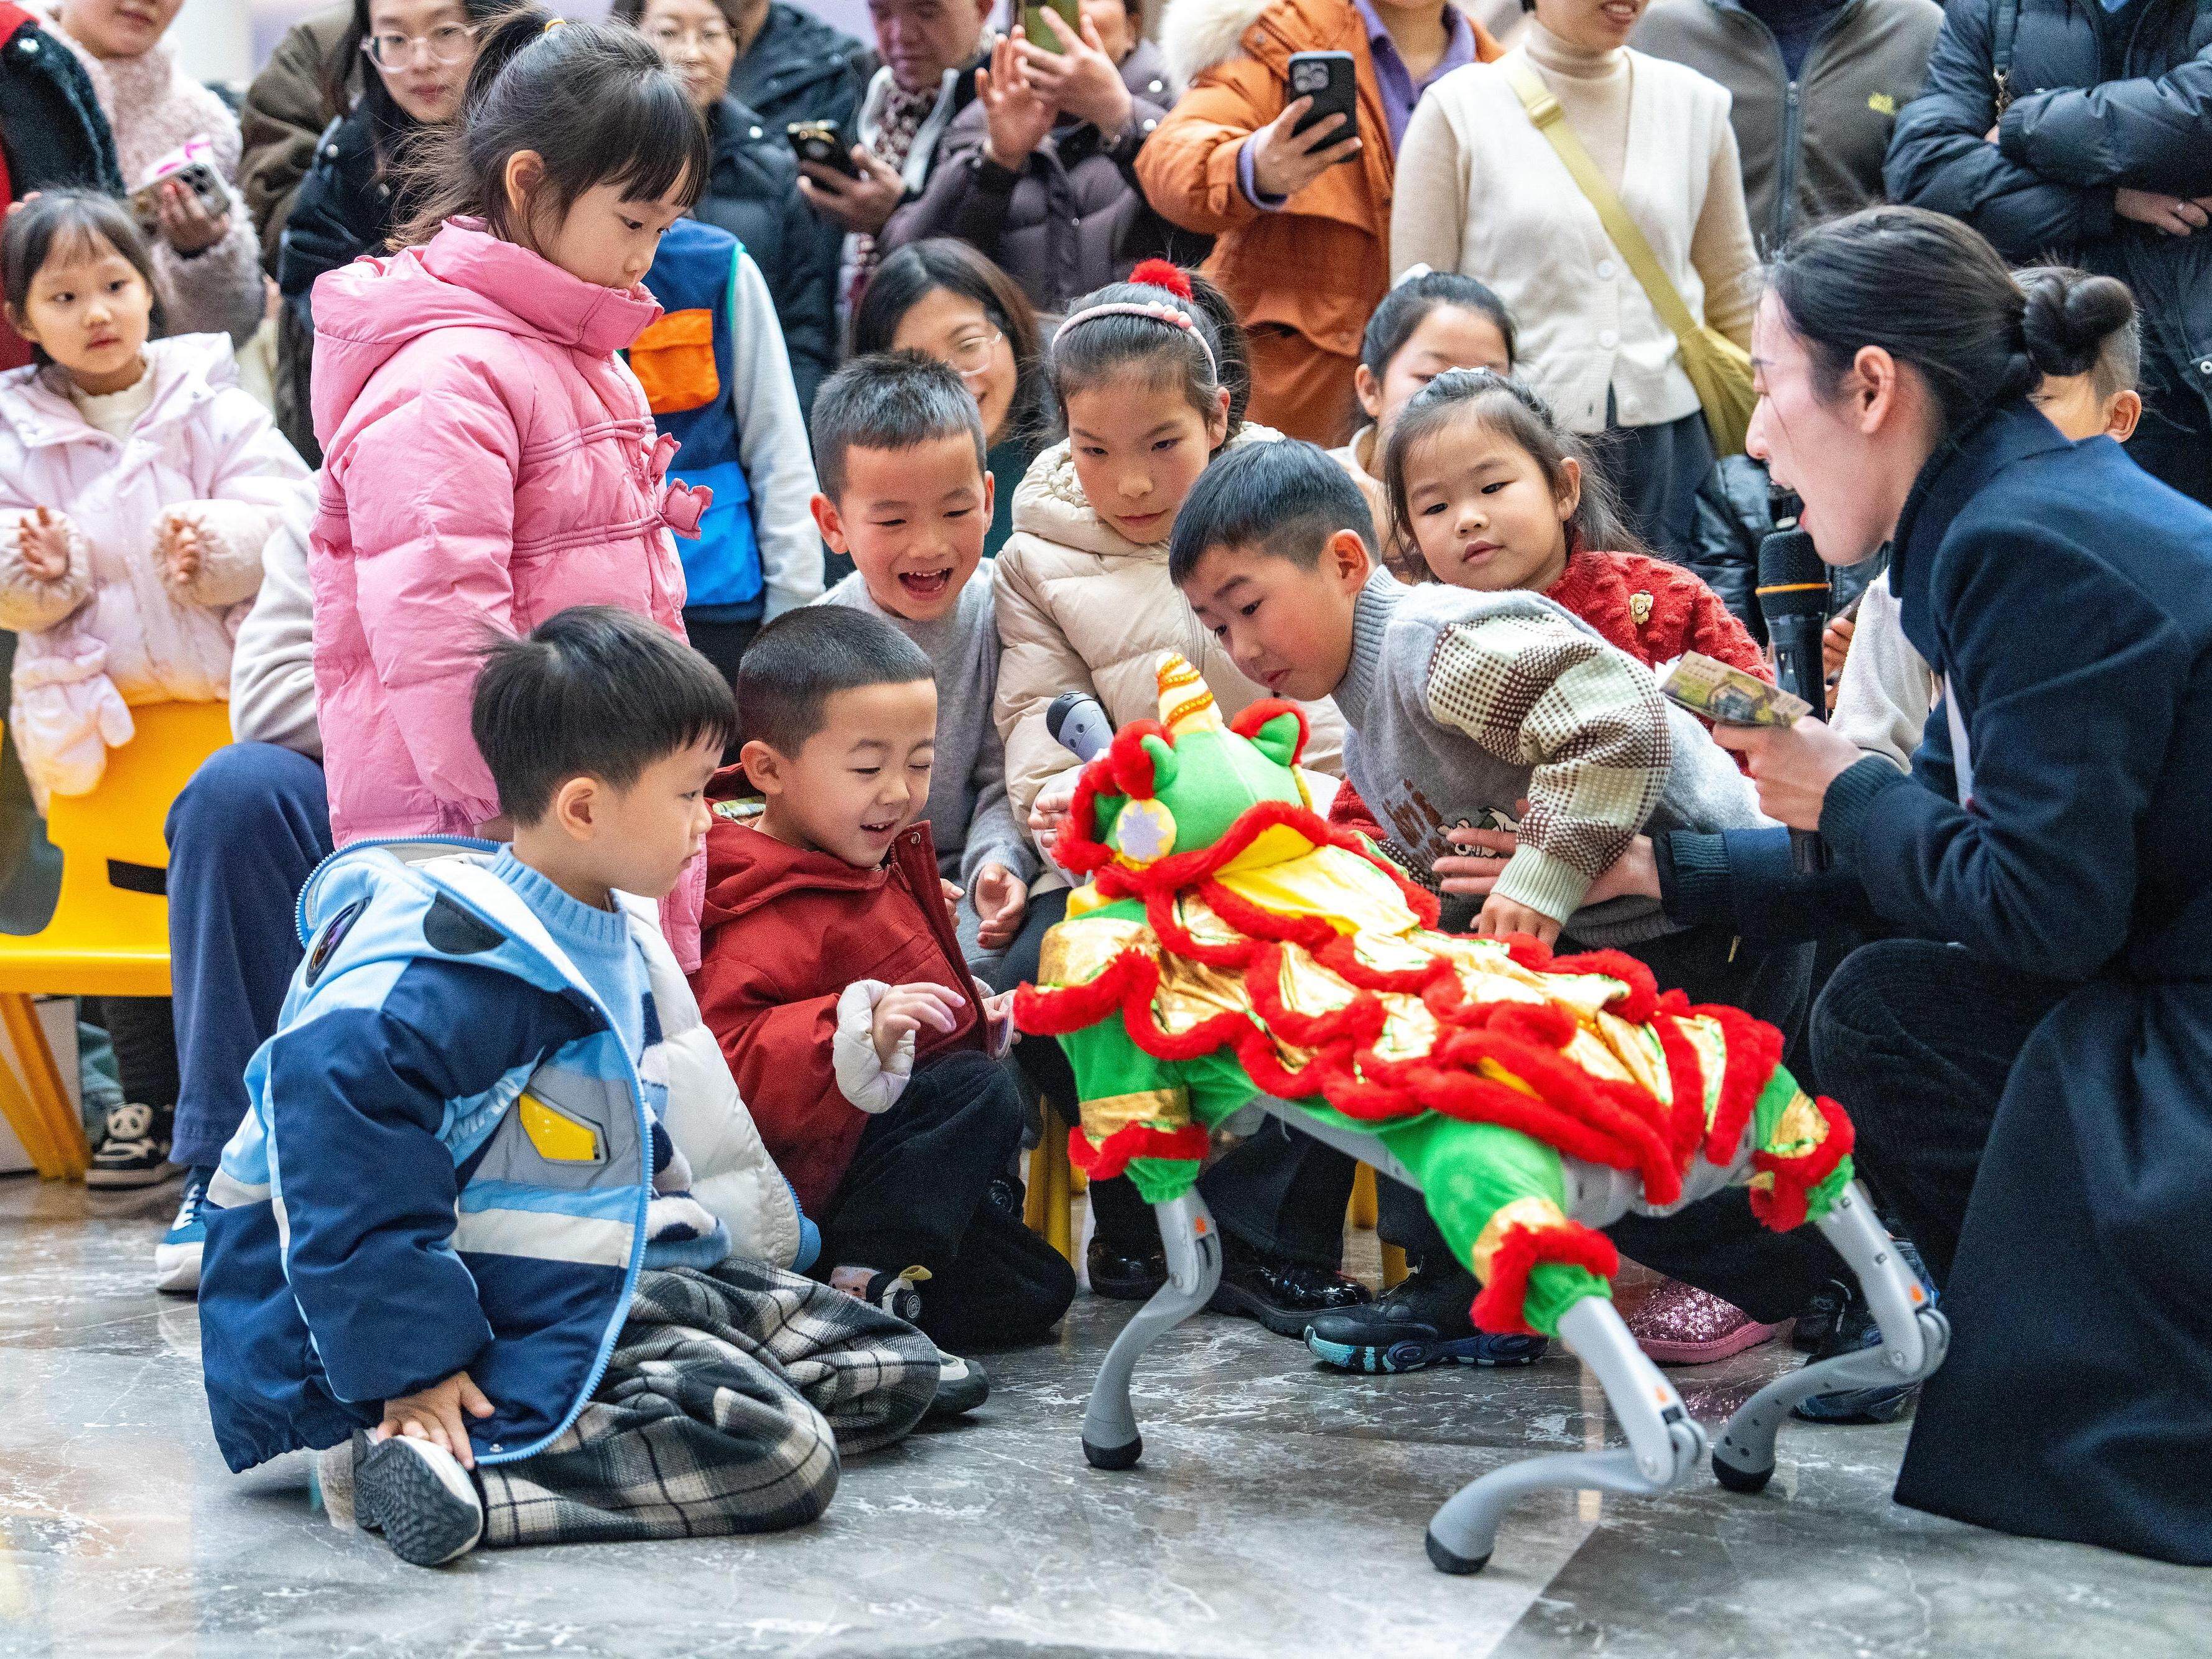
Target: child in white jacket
137, 484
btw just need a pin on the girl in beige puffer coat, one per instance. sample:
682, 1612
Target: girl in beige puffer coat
1150, 377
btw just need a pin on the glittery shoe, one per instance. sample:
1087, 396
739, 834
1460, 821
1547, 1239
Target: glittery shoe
1678, 1324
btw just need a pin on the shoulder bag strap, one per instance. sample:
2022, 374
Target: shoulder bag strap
2004, 30
1550, 120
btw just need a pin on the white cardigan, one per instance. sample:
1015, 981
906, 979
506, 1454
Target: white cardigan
1480, 190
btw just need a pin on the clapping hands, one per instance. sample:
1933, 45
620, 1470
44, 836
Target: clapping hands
42, 543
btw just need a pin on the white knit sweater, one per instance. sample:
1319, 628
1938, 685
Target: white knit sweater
1480, 190
152, 107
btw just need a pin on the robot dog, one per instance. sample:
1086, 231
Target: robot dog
1234, 950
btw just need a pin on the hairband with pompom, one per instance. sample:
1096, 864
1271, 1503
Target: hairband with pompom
1162, 273
1151, 273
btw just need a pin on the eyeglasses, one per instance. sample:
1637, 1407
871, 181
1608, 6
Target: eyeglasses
972, 354
447, 44
712, 38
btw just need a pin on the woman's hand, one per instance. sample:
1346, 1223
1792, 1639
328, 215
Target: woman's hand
1283, 165
1792, 765
1016, 113
1001, 900
42, 543
186, 225
1079, 79
864, 205
2177, 215
1634, 874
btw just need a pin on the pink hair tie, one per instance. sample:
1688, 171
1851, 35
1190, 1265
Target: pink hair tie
1158, 314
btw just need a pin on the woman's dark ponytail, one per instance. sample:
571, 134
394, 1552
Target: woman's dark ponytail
1932, 292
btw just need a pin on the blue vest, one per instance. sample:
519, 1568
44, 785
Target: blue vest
684, 363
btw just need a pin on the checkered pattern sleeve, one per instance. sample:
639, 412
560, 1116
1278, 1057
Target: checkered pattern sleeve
1588, 718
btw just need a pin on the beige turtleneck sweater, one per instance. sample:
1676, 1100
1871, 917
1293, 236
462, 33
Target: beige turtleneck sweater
1480, 190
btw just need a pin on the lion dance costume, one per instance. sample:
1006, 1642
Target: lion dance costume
1232, 943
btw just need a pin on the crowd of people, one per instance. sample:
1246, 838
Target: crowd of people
425, 409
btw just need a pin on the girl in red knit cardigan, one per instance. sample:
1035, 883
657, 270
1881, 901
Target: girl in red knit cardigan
1483, 482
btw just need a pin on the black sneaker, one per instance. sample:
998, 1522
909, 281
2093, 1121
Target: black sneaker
1849, 1327
419, 1495
962, 1385
1124, 1275
1425, 1321
1283, 1296
135, 1152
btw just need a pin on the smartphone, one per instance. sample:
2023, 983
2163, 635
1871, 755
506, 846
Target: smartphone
817, 142
1328, 78
197, 177
1040, 32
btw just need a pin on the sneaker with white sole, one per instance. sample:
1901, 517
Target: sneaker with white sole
417, 1495
962, 1385
177, 1257
135, 1152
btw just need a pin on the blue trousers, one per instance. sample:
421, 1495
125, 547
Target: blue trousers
244, 836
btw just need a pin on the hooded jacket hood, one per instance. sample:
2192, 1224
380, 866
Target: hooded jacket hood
463, 277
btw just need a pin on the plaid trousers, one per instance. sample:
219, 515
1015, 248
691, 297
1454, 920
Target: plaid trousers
729, 1397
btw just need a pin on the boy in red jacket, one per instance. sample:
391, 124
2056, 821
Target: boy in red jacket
832, 977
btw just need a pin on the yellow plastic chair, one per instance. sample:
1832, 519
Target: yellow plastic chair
1364, 1211
1049, 1204
109, 934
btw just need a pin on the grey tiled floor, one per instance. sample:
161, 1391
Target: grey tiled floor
1278, 1511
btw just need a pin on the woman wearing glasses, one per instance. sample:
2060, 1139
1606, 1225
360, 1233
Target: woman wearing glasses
753, 192
399, 68
205, 259
943, 299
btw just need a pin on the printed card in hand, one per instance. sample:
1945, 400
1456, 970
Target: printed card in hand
1728, 696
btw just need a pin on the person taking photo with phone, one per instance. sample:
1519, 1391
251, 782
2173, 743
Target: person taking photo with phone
1302, 217
169, 131
1039, 173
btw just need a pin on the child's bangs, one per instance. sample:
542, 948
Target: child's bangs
662, 139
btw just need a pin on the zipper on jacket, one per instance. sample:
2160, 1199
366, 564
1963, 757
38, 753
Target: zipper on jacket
1793, 119
940, 918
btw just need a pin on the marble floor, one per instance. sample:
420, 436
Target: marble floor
1278, 1511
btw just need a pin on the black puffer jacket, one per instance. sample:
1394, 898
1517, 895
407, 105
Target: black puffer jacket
2099, 103
799, 68
1074, 218
344, 208
50, 121
754, 195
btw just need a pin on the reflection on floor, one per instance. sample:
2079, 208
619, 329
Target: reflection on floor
1278, 1511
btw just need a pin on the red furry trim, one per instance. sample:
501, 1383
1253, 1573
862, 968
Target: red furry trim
1783, 1208
1501, 1307
1755, 1049
1054, 1010
1247, 725
1133, 1141
1078, 848
1162, 273
1181, 871
1130, 762
1636, 1005
1686, 1076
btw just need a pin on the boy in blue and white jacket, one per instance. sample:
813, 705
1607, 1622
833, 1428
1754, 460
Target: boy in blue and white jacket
447, 1241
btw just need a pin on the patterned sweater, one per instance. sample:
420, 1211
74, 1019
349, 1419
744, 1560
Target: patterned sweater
1462, 704
154, 107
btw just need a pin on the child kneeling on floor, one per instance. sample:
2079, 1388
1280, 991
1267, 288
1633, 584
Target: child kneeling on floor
832, 974
459, 1240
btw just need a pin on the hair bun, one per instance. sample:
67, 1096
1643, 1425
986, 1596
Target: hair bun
1161, 273
2070, 315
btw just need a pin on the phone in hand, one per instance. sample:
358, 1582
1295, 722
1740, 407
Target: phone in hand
197, 177
817, 142
1328, 78
1039, 32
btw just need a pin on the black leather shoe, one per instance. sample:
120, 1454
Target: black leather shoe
1124, 1275
1283, 1296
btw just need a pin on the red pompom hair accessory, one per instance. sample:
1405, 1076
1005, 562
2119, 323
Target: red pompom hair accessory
1162, 273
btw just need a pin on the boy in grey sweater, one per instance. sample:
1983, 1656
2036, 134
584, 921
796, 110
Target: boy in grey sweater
898, 446
1463, 705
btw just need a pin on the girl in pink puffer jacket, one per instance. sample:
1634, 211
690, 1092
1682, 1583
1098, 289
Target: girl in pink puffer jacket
137, 484
489, 458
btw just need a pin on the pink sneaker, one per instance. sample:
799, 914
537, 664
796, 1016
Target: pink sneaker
1680, 1325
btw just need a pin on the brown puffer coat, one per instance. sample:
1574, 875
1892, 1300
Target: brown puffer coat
1305, 279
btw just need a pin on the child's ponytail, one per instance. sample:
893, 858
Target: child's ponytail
594, 102
1511, 409
1162, 319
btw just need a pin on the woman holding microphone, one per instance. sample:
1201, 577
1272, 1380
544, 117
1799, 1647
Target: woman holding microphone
2027, 1050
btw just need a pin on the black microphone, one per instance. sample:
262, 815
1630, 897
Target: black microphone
1793, 598
1079, 725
